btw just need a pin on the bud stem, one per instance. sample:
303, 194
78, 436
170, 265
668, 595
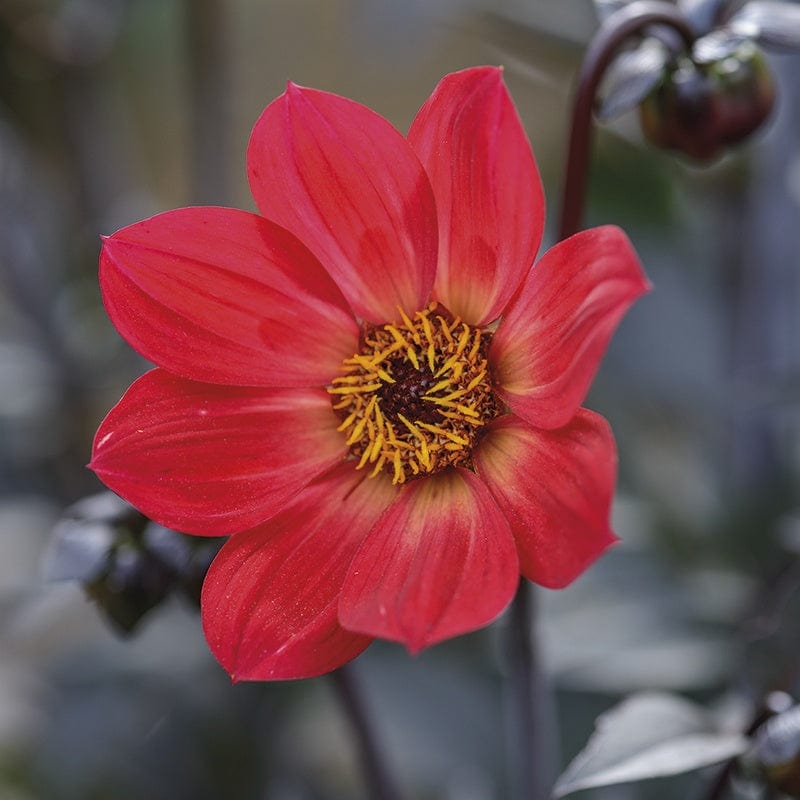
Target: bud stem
617, 29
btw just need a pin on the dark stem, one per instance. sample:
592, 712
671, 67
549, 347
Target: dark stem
720, 785
525, 747
379, 784
619, 27
529, 768
717, 790
761, 624
616, 30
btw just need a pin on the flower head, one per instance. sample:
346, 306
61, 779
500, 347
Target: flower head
368, 385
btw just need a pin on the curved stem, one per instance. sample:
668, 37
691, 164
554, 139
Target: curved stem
626, 22
379, 783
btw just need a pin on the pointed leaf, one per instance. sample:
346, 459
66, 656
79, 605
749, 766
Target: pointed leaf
631, 77
649, 735
85, 536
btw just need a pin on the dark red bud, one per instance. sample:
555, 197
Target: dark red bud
700, 109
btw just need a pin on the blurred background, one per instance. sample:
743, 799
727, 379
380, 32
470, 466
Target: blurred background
113, 110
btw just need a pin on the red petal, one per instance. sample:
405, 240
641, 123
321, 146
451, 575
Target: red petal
224, 296
488, 193
441, 561
548, 346
348, 185
555, 488
270, 598
212, 459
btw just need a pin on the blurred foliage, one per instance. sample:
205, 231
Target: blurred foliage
127, 564
111, 110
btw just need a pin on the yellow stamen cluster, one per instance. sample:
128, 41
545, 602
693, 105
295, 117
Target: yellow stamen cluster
414, 400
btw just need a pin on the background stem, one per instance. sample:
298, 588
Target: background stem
719, 787
531, 766
379, 783
619, 27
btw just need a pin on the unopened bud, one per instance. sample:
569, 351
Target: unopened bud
776, 751
700, 107
127, 564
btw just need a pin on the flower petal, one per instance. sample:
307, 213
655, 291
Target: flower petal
212, 459
348, 185
270, 598
223, 296
555, 488
441, 561
548, 346
488, 192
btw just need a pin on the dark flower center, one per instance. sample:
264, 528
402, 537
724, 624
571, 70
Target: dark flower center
415, 398
406, 396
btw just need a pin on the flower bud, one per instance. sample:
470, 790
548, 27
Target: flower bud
700, 107
776, 751
127, 564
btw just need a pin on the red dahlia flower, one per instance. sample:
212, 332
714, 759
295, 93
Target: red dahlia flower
334, 387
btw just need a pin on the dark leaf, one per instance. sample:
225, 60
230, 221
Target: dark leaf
649, 735
171, 548
133, 583
189, 556
128, 565
631, 77
191, 579
86, 535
